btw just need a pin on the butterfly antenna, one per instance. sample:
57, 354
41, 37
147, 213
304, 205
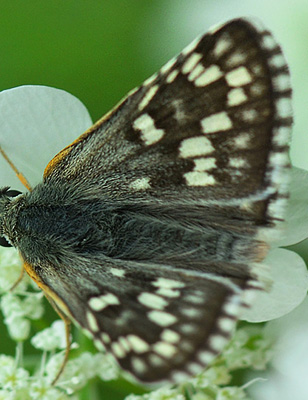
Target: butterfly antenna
20, 176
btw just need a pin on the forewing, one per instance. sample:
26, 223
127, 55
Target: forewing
213, 125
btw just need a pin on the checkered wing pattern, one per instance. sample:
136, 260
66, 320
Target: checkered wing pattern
191, 167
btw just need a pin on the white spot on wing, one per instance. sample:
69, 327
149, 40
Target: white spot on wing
168, 335
140, 184
179, 376
171, 77
191, 46
162, 318
198, 178
92, 323
257, 89
238, 77
149, 133
148, 96
216, 122
217, 342
138, 344
139, 365
249, 115
168, 65
282, 82
204, 163
105, 338
206, 357
152, 301
87, 333
279, 159
195, 72
125, 344
168, 283
195, 146
236, 59
281, 135
223, 44
188, 328
119, 272
194, 368
195, 298
283, 107
211, 74
277, 61
191, 62
226, 324
99, 303
164, 349
191, 312
232, 307
237, 162
236, 96
168, 292
241, 141
99, 345
269, 42
118, 350
150, 80
156, 361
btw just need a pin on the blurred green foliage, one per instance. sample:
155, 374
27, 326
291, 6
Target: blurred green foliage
89, 48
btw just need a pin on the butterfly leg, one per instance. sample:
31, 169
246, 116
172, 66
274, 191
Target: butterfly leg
19, 279
67, 324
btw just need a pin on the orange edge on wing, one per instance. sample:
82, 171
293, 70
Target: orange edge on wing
49, 293
64, 152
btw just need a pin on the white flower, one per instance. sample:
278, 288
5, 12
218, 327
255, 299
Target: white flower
52, 338
164, 393
10, 270
79, 370
231, 393
288, 275
12, 377
42, 390
6, 395
288, 287
12, 308
105, 367
288, 376
36, 122
32, 305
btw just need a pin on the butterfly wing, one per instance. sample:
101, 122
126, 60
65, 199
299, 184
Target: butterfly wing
159, 322
197, 158
213, 124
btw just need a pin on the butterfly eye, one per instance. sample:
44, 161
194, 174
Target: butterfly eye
13, 193
4, 242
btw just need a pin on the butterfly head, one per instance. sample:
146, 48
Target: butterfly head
6, 195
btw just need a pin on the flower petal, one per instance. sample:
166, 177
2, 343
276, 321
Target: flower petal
289, 288
288, 376
36, 122
296, 227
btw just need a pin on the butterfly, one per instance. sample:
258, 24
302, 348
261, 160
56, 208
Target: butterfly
148, 230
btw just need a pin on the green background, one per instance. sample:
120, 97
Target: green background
99, 50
